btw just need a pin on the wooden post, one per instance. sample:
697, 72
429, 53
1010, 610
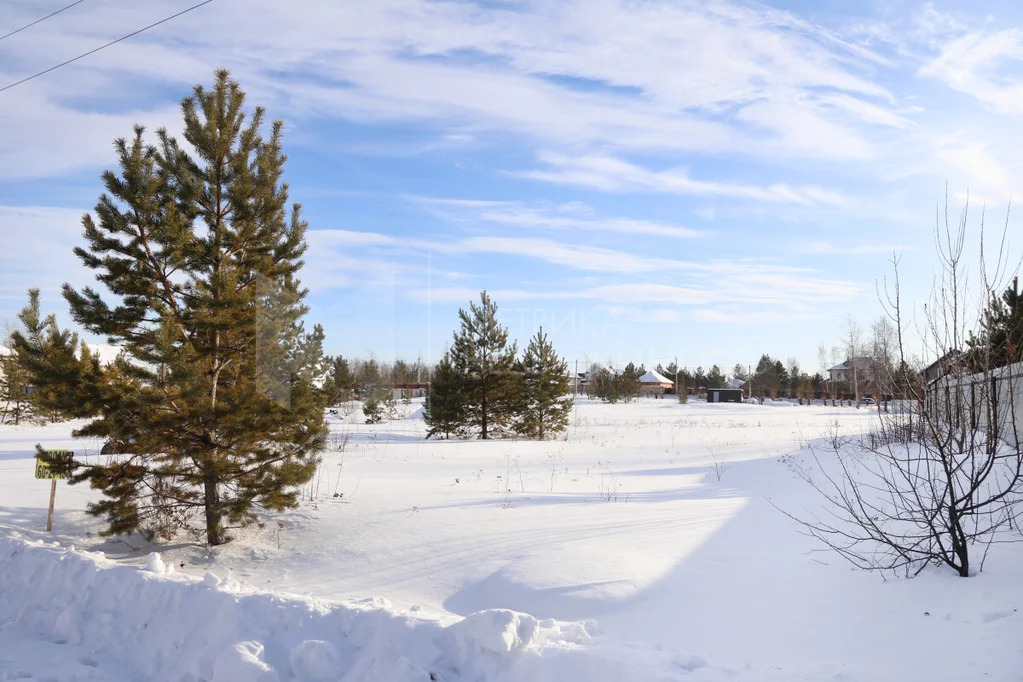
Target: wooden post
53, 496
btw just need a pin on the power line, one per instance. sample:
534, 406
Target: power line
102, 47
52, 14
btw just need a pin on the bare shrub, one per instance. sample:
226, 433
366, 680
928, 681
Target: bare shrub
935, 483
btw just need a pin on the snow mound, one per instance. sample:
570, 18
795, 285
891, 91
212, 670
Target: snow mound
499, 631
315, 659
243, 661
167, 626
154, 564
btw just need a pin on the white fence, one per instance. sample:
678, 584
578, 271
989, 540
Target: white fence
991, 401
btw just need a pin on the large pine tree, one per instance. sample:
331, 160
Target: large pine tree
444, 411
485, 363
544, 404
214, 393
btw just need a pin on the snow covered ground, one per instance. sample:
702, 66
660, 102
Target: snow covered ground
643, 546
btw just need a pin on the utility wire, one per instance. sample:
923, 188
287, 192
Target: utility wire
52, 14
101, 47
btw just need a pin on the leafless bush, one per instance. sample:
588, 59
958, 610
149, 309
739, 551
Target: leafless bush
608, 484
338, 442
937, 484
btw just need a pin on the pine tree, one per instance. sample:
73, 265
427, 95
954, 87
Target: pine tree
444, 411
628, 382
683, 391
371, 390
343, 380
740, 372
213, 390
62, 371
14, 388
999, 340
544, 405
403, 374
485, 363
602, 386
715, 377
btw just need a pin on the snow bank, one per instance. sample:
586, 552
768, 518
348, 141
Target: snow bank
166, 626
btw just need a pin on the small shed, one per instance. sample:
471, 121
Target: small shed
724, 395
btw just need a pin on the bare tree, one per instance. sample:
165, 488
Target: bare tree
853, 342
944, 492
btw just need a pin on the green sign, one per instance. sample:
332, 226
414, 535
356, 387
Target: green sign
43, 469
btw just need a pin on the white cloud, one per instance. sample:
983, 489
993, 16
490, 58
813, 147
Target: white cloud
827, 248
569, 216
613, 175
979, 64
974, 163
594, 73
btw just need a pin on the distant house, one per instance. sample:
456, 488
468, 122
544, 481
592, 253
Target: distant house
949, 363
586, 378
734, 383
855, 374
654, 383
409, 391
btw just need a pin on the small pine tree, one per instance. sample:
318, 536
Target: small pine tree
683, 391
444, 411
485, 364
343, 381
543, 405
369, 392
606, 385
375, 390
628, 382
63, 373
14, 388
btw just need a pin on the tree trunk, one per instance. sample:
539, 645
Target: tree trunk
960, 546
483, 415
214, 533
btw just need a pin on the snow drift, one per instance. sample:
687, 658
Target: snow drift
159, 625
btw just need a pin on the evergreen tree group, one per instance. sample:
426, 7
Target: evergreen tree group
215, 391
613, 387
340, 384
61, 371
479, 388
999, 341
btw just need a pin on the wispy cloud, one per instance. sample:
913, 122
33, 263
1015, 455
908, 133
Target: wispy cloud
608, 73
979, 64
827, 248
615, 175
573, 216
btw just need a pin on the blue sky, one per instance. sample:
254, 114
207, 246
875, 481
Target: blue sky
646, 180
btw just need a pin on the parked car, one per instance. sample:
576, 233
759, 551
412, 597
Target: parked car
867, 401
